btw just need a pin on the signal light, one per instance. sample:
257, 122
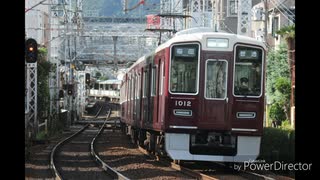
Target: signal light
70, 92
31, 51
87, 78
70, 89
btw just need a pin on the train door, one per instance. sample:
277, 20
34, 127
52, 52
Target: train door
150, 96
138, 102
248, 89
134, 77
154, 93
129, 99
215, 106
144, 96
157, 91
161, 96
147, 114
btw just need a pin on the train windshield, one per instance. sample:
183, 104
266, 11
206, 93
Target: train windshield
184, 68
248, 71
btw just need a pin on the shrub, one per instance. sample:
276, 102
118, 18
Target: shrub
276, 113
285, 125
277, 145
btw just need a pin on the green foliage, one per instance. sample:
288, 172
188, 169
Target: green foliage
277, 145
285, 125
277, 66
282, 95
283, 86
42, 50
43, 83
103, 78
287, 31
278, 86
276, 113
41, 135
98, 75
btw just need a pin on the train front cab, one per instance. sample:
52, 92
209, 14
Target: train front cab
211, 117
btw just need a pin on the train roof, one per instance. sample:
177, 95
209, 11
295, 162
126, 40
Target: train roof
110, 81
137, 62
201, 34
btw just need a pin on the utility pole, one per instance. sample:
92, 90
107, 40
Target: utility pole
213, 10
291, 57
265, 20
115, 38
265, 38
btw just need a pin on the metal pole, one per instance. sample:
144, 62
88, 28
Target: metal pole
115, 38
32, 89
265, 20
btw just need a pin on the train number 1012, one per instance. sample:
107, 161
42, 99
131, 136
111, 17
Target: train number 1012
183, 103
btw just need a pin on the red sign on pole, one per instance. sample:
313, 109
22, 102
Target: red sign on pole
153, 22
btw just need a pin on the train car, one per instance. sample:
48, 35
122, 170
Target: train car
199, 96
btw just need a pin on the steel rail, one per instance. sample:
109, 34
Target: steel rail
53, 152
104, 166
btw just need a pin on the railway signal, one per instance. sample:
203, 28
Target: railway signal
70, 89
31, 51
61, 94
87, 78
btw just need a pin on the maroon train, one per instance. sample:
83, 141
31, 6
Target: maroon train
199, 96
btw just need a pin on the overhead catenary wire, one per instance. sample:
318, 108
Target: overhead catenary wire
282, 12
283, 6
34, 6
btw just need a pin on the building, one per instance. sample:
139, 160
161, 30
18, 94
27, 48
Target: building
280, 13
37, 21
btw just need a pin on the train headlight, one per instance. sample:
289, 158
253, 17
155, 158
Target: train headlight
182, 112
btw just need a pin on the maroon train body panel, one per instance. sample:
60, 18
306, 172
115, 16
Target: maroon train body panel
199, 96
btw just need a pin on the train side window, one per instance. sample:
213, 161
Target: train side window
144, 84
129, 90
216, 79
161, 76
133, 87
138, 86
154, 81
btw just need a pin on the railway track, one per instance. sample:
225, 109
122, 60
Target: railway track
220, 171
75, 157
71, 158
116, 150
208, 170
105, 153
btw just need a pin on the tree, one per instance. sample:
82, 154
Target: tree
277, 66
288, 32
278, 84
282, 87
98, 75
43, 82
